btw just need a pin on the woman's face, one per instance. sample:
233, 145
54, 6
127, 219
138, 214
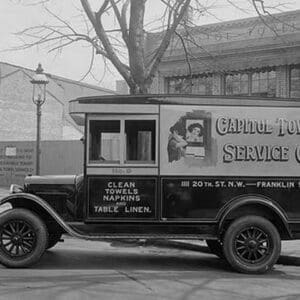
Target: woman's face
196, 131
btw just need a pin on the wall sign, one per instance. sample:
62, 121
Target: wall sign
121, 197
17, 160
224, 141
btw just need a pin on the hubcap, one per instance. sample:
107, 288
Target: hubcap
17, 238
252, 245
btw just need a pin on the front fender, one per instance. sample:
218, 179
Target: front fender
18, 200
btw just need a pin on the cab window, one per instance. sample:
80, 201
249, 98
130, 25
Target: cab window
140, 141
104, 144
125, 141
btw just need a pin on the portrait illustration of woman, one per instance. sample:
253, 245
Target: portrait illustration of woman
194, 133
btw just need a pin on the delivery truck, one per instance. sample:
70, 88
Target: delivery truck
221, 169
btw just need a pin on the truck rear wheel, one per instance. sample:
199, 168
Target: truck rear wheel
252, 245
23, 238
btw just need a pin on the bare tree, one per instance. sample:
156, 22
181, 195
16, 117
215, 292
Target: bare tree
124, 44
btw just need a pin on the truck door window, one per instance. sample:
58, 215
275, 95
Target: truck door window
140, 141
104, 146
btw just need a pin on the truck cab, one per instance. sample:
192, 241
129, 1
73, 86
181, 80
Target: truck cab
224, 170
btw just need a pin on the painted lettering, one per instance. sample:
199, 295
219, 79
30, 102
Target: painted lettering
243, 126
137, 209
258, 153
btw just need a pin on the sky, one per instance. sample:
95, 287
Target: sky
73, 62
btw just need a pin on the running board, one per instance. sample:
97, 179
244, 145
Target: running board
102, 237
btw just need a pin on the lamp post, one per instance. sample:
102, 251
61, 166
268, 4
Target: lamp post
39, 83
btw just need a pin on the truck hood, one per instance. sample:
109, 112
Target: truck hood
50, 179
53, 184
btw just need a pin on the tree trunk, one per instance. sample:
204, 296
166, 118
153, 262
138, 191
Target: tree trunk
136, 43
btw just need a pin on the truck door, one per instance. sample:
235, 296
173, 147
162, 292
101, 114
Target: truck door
121, 167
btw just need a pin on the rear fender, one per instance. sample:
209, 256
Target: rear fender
259, 202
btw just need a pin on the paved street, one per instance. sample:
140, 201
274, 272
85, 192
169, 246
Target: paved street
98, 270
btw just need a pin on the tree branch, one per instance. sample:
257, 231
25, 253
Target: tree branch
122, 21
95, 19
154, 63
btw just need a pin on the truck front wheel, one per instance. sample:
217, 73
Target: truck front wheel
23, 238
252, 245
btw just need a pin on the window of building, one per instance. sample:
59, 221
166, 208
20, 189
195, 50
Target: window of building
295, 82
237, 84
124, 141
201, 85
259, 83
264, 84
176, 85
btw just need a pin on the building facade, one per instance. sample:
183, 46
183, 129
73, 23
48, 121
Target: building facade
251, 57
18, 113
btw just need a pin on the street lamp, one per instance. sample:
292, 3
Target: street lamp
39, 83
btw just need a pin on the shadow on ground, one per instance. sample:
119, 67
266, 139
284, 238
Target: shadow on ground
283, 259
160, 256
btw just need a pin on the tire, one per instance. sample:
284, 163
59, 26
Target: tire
252, 245
53, 239
23, 238
215, 247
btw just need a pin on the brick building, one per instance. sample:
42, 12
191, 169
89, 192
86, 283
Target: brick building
243, 57
18, 113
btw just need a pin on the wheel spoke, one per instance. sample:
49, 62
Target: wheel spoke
255, 255
17, 226
28, 238
10, 248
25, 243
240, 241
260, 234
252, 232
7, 232
262, 253
12, 227
249, 233
27, 247
244, 237
22, 229
262, 241
249, 255
27, 232
23, 249
257, 234
5, 245
240, 248
263, 247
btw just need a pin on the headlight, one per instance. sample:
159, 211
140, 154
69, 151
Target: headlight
14, 188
